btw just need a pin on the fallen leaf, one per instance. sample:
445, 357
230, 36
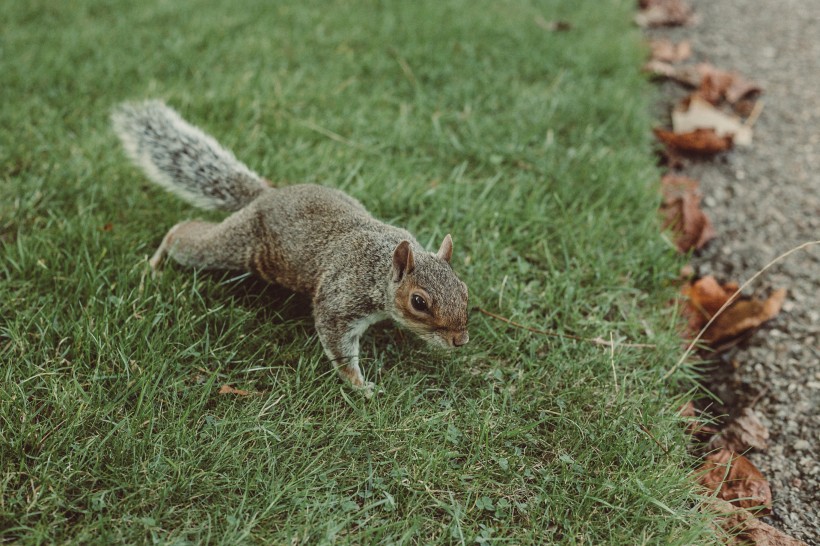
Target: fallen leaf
713, 84
706, 296
744, 315
735, 479
682, 213
744, 528
687, 409
744, 107
661, 13
699, 141
686, 74
698, 113
670, 52
724, 84
744, 432
227, 389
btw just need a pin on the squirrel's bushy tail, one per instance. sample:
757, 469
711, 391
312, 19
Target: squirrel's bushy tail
183, 159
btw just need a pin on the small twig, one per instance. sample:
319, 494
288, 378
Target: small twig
646, 430
730, 301
596, 341
50, 432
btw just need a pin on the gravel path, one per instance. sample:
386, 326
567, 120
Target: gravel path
764, 200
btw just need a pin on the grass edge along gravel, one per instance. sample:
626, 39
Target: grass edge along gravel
531, 147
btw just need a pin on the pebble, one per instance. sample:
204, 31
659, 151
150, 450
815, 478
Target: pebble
801, 445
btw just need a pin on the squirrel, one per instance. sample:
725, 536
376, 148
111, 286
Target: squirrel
308, 238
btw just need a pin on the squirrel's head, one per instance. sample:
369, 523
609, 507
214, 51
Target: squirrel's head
429, 298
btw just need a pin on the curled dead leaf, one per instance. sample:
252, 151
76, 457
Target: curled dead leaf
713, 84
682, 214
706, 296
670, 52
687, 409
744, 315
697, 113
712, 88
664, 13
735, 479
745, 107
722, 84
686, 74
744, 432
699, 141
743, 528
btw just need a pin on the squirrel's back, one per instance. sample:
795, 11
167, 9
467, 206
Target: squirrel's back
183, 159
305, 230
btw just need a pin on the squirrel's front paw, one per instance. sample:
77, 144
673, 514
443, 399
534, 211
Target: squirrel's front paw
368, 389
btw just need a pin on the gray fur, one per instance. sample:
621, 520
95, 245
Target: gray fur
308, 238
182, 159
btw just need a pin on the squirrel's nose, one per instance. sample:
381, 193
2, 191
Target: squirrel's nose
460, 339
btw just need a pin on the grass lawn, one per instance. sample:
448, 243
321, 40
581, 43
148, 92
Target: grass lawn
531, 147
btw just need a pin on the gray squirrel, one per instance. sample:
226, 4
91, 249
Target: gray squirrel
308, 238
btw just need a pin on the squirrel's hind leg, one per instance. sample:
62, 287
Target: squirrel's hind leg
206, 245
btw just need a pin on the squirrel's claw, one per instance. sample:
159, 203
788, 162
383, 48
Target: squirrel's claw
369, 389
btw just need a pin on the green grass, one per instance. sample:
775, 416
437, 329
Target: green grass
531, 147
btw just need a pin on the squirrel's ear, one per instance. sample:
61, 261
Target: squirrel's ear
445, 251
403, 261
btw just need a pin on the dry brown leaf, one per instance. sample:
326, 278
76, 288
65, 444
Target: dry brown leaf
744, 315
664, 13
744, 528
670, 52
724, 84
687, 74
713, 84
227, 389
706, 296
697, 113
744, 107
670, 159
687, 409
699, 141
682, 213
742, 433
735, 479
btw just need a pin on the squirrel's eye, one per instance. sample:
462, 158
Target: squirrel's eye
418, 303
